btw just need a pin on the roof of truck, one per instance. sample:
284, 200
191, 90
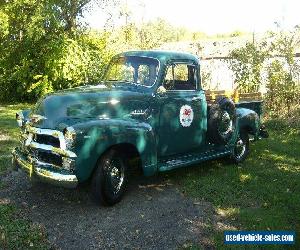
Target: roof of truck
162, 55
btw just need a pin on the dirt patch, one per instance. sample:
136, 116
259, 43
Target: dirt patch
152, 215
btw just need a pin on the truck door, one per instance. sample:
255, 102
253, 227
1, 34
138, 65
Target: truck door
183, 111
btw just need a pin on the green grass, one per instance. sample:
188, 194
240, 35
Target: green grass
9, 133
16, 232
19, 233
263, 193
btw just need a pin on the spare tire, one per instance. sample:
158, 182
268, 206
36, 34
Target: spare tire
221, 121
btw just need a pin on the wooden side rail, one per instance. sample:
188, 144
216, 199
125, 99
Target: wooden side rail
211, 96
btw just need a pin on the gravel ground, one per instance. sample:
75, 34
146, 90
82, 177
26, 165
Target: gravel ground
152, 215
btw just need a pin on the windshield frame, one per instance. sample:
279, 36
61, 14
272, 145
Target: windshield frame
133, 83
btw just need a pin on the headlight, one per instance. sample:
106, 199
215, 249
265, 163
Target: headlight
20, 118
70, 136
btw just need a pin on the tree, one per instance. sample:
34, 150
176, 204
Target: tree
29, 26
283, 90
70, 12
247, 65
43, 48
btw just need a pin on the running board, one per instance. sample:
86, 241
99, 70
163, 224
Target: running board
189, 159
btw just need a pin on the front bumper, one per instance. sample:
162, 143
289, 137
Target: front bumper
44, 172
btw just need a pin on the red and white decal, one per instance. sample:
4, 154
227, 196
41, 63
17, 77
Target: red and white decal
186, 115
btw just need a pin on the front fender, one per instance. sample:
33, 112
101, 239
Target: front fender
249, 120
95, 137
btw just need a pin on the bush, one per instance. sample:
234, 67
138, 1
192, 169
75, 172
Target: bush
247, 65
40, 52
273, 58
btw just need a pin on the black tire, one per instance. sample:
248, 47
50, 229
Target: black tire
241, 147
110, 178
221, 121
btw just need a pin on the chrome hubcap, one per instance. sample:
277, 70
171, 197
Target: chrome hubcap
225, 124
240, 148
115, 174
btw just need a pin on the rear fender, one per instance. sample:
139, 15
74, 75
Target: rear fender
248, 120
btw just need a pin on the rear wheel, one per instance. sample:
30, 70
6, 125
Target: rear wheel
110, 178
241, 147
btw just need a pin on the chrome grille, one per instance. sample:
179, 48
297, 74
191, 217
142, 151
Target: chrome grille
47, 140
48, 157
41, 144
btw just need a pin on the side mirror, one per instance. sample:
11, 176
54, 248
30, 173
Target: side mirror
161, 90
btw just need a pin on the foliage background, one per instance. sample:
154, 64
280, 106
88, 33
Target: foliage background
46, 46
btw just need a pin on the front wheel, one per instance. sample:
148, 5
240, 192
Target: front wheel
110, 178
241, 147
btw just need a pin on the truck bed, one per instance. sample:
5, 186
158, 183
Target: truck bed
251, 101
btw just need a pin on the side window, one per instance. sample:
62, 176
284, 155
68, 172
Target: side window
146, 74
180, 77
143, 74
123, 72
181, 72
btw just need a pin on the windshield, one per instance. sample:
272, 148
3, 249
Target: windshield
133, 69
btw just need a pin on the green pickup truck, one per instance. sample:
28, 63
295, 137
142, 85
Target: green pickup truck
151, 107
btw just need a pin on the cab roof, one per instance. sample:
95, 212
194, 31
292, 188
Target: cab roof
162, 56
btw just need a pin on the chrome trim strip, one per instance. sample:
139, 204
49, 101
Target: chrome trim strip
55, 133
40, 163
43, 173
27, 165
52, 149
138, 112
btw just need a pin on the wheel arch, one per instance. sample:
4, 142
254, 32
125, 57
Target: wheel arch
248, 120
130, 151
247, 128
134, 139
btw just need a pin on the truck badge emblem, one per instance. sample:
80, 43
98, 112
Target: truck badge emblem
186, 115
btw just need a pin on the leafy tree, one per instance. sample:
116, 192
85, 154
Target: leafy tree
153, 34
247, 64
28, 24
147, 35
70, 13
43, 48
283, 90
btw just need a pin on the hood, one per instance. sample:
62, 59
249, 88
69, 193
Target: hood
69, 107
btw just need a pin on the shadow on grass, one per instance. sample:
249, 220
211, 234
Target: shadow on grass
263, 193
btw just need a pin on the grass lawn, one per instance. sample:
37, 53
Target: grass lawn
263, 193
8, 132
15, 231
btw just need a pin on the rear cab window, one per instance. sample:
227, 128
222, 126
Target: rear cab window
180, 76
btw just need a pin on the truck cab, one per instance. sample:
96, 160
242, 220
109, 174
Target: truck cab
150, 106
